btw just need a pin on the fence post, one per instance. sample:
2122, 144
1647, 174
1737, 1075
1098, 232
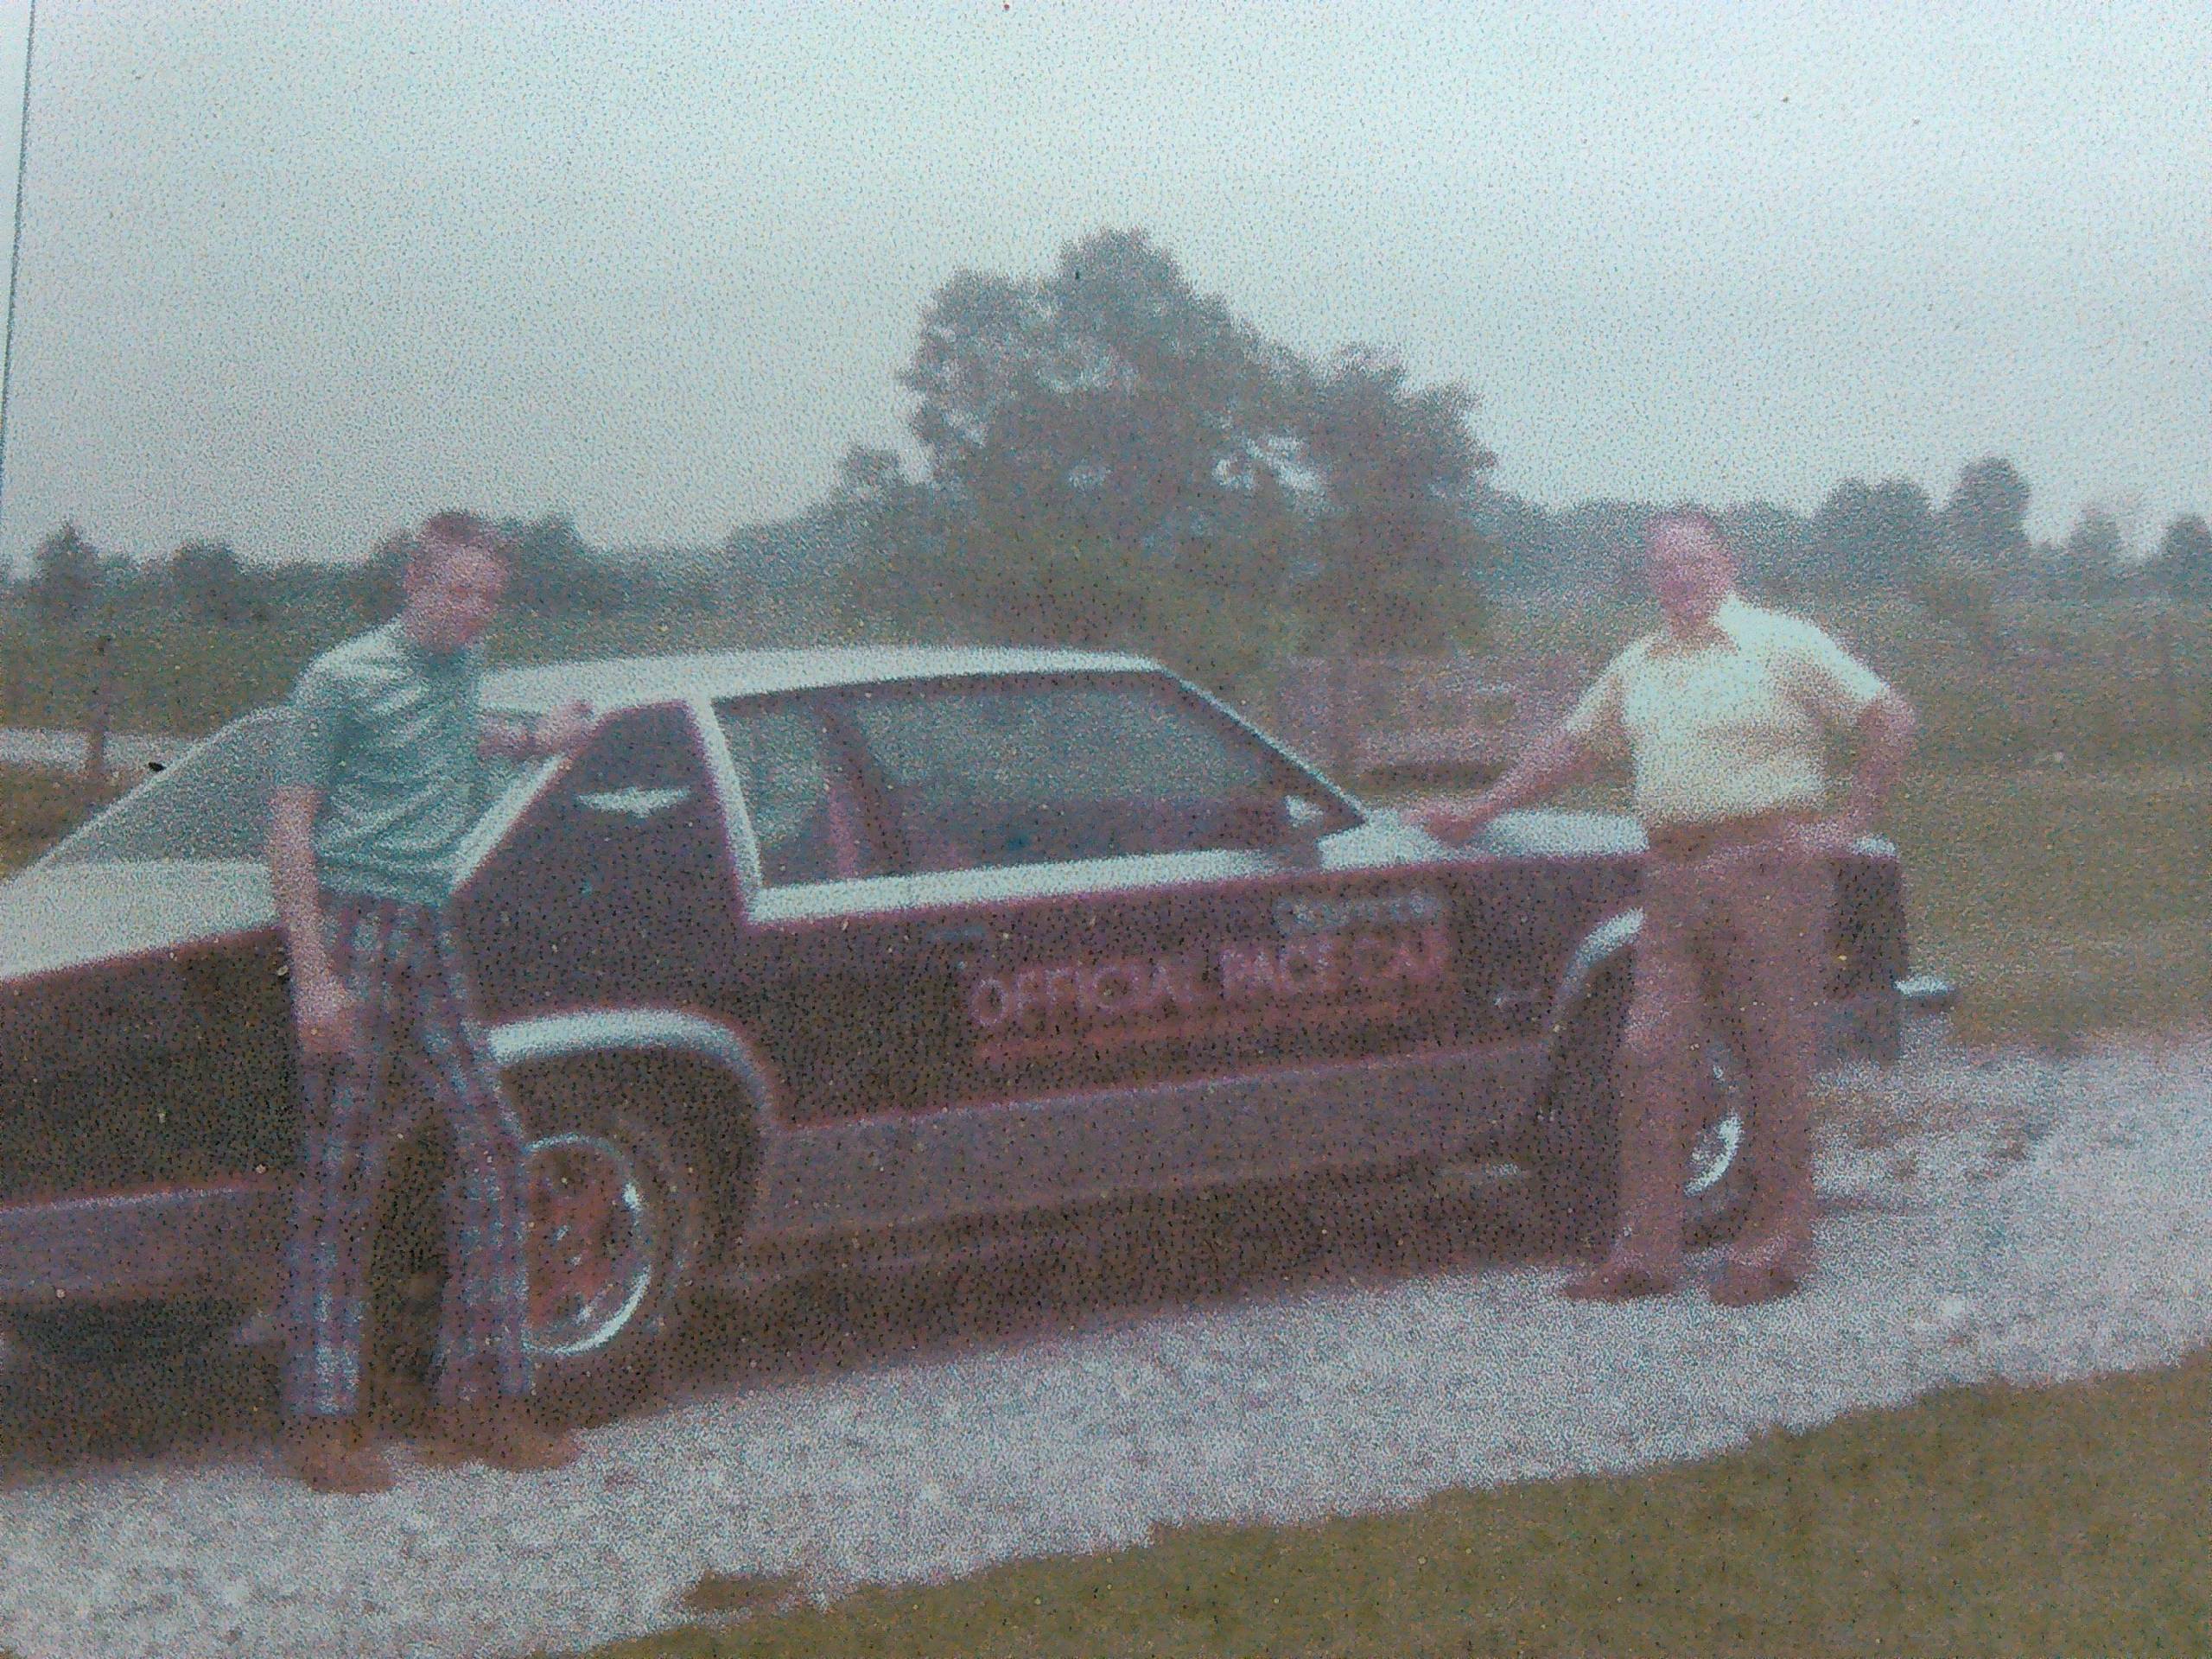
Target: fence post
97, 716
2169, 690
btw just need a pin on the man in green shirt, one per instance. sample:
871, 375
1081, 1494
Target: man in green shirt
381, 779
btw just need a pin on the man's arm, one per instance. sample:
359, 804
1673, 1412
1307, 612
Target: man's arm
329, 1019
1846, 693
1884, 731
1575, 746
1556, 760
560, 731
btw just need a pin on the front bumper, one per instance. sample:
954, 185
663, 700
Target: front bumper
1869, 1024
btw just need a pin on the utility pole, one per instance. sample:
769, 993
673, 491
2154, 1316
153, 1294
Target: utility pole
13, 688
16, 253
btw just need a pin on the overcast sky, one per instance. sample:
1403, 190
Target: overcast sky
298, 271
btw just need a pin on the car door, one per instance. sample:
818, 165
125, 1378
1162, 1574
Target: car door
849, 997
146, 1014
1097, 943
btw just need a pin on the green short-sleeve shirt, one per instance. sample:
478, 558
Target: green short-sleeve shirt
386, 733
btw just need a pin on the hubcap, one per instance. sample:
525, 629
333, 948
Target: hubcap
592, 1242
1721, 1136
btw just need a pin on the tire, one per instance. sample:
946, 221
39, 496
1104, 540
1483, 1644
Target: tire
136, 1338
614, 1237
614, 1233
1719, 1188
1574, 1139
1572, 1147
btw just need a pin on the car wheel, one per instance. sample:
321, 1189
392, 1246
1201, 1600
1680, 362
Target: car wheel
140, 1337
613, 1233
1575, 1136
1718, 1191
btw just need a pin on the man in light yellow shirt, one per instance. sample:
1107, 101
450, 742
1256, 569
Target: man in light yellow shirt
1724, 714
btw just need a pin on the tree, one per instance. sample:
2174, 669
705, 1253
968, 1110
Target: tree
1395, 464
557, 574
883, 533
1105, 452
2184, 563
2086, 565
1113, 458
1986, 518
1522, 539
379, 581
1873, 535
1776, 548
209, 583
1110, 397
1955, 590
66, 576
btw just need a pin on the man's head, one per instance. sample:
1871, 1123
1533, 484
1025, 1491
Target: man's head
1689, 565
456, 576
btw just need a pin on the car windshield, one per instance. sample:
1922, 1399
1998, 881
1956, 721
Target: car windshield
211, 806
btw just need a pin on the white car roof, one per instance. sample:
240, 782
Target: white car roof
631, 682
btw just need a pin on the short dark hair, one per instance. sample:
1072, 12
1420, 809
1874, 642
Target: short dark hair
453, 531
1693, 515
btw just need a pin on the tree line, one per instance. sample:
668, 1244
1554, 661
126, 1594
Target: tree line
1871, 537
1110, 457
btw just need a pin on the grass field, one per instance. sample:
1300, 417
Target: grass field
2063, 901
1997, 1521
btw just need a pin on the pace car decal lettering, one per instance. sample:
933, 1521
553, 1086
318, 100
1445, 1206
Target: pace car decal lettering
1323, 913
1103, 1002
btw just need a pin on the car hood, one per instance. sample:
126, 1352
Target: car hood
1586, 834
57, 918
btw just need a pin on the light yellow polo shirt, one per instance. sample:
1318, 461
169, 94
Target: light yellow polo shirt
1730, 721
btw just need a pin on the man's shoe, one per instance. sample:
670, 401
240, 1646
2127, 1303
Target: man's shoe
1764, 1272
334, 1454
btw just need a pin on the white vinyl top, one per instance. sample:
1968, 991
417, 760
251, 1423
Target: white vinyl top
631, 682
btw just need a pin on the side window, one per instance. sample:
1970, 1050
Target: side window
806, 814
988, 773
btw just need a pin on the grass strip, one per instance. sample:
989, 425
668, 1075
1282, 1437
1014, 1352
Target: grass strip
1999, 1520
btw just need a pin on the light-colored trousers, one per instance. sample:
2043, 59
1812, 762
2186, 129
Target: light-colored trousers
1736, 933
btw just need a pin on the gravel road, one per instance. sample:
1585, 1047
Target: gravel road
1996, 1215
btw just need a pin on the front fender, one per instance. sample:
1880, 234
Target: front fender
1610, 941
630, 1030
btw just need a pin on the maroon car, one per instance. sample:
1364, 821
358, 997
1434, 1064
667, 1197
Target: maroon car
813, 952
